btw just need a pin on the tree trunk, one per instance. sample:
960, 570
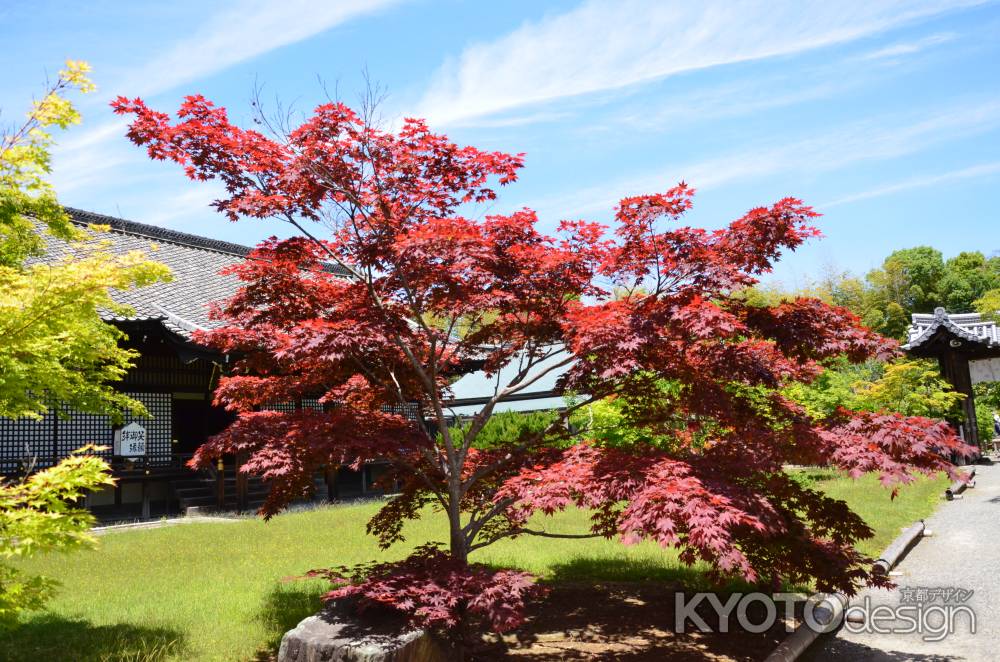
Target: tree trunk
459, 549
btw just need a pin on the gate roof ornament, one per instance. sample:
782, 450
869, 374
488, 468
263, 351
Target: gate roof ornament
970, 330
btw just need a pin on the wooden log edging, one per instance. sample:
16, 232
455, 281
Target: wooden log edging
828, 613
898, 548
831, 616
960, 485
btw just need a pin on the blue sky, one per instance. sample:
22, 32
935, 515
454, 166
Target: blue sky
884, 115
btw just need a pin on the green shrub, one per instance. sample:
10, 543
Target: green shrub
506, 428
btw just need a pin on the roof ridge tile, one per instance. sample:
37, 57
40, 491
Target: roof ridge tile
126, 226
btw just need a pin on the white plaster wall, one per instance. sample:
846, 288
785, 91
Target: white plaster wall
985, 370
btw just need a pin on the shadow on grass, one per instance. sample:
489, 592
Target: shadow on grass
583, 569
624, 619
50, 637
284, 607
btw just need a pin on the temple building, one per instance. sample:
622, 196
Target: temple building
173, 377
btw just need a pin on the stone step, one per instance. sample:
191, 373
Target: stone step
230, 506
210, 502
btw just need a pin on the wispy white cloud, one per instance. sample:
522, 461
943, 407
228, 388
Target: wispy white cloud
909, 48
516, 120
99, 155
667, 110
245, 31
889, 137
874, 140
94, 136
972, 172
606, 45
188, 202
730, 100
87, 157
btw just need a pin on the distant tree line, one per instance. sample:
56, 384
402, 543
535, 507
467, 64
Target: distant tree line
911, 280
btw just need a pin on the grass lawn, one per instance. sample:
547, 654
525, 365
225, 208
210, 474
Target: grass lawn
871, 501
213, 591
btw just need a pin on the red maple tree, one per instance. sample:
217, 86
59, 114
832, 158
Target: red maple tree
620, 313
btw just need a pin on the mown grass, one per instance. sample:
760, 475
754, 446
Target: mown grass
872, 502
214, 591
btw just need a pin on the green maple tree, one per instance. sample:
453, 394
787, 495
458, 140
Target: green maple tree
54, 346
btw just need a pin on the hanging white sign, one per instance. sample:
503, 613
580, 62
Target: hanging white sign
130, 441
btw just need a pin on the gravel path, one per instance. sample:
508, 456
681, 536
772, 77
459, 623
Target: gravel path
963, 553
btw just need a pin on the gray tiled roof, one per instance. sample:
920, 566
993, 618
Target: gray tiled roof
968, 326
195, 262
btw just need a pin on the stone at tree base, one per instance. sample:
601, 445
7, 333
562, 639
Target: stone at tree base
334, 635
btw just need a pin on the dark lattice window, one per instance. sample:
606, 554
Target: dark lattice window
158, 428
169, 372
50, 439
279, 406
82, 429
410, 410
22, 439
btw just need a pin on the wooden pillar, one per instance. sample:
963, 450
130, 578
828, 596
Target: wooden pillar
220, 485
145, 499
955, 368
330, 476
241, 484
